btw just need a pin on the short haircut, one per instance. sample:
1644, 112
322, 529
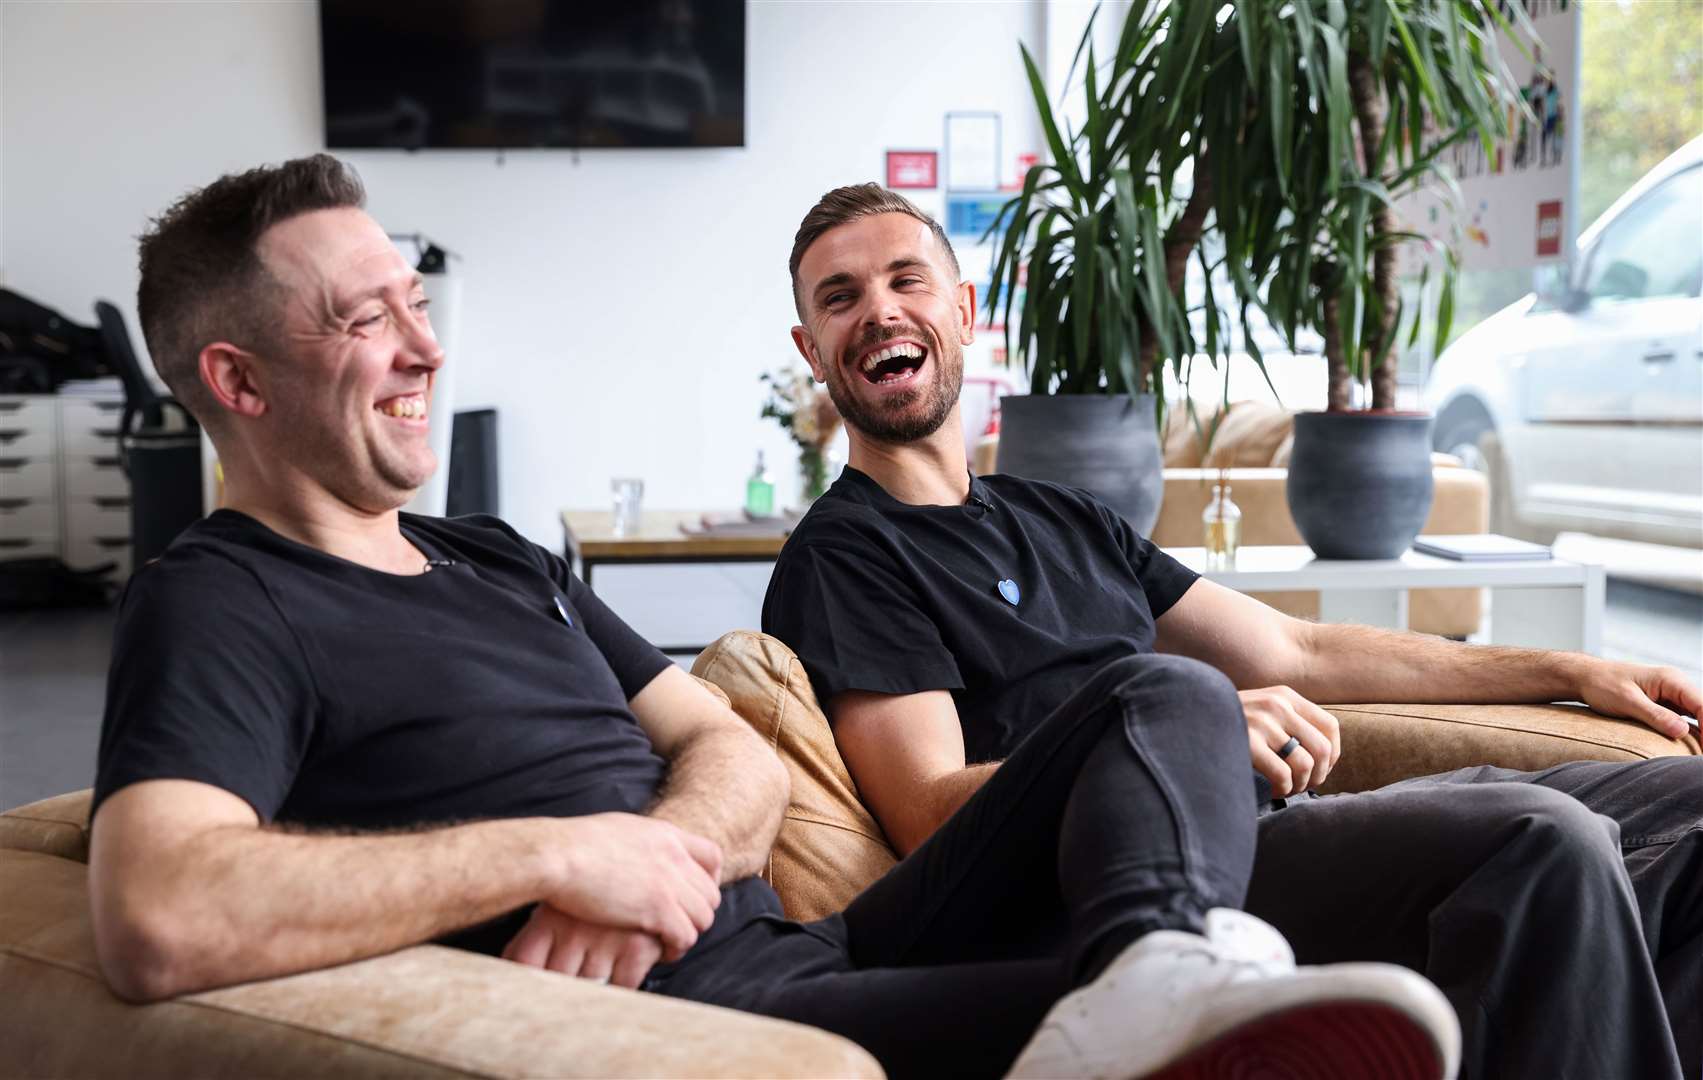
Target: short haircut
847, 204
202, 276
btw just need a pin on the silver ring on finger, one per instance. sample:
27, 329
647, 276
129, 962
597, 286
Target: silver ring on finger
1288, 748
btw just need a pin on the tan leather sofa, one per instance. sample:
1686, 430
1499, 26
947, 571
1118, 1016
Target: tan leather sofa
830, 847
1250, 449
429, 1011
426, 1011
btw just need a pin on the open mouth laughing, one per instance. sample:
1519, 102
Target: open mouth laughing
408, 408
892, 364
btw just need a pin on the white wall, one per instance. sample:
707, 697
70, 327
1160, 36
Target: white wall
618, 306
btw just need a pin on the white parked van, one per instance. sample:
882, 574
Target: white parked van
1585, 402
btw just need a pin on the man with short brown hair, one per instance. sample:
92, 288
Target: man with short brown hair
950, 621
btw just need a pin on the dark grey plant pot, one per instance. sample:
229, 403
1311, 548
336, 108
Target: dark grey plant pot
1360, 482
1107, 444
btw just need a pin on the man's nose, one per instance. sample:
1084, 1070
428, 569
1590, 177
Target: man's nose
881, 307
420, 346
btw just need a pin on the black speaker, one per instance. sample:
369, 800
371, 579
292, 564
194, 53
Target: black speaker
472, 464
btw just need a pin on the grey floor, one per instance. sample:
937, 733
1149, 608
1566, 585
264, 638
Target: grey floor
53, 677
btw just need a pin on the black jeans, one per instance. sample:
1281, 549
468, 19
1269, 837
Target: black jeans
1561, 911
1126, 811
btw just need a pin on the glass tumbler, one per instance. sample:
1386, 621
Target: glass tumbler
629, 495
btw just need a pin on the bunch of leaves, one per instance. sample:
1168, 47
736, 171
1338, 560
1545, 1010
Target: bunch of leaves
1285, 130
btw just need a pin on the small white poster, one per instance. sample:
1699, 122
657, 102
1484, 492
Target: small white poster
972, 151
1516, 200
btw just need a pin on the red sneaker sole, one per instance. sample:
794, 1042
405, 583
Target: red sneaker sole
1334, 1041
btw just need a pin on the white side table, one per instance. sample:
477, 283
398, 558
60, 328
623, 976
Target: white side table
1539, 603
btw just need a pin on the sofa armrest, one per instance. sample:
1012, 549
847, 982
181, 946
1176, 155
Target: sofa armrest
1385, 743
427, 1011
57, 826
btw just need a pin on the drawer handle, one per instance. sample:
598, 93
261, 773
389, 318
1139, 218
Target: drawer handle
109, 406
7, 543
11, 406
13, 504
111, 502
106, 462
112, 541
106, 433
8, 464
11, 435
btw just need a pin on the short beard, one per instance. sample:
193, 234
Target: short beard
897, 423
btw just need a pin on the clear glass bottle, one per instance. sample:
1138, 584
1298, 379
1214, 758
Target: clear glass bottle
1222, 525
760, 491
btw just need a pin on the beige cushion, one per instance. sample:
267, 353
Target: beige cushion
1249, 435
829, 847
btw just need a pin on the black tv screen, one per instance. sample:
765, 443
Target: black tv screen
533, 73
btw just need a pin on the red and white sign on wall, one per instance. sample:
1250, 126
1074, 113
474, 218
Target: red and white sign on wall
1549, 226
918, 169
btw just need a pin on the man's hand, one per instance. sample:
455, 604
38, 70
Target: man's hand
631, 872
560, 942
1275, 715
1659, 696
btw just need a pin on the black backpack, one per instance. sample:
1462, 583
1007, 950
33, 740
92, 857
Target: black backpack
40, 348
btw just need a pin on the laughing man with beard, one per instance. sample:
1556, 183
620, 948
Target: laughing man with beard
960, 628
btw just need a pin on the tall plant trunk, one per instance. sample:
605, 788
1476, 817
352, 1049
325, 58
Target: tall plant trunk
1341, 396
1180, 242
1372, 113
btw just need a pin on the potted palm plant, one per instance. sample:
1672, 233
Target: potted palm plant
1377, 91
1102, 235
1283, 131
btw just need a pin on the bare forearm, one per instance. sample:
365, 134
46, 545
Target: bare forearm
725, 785
233, 904
939, 799
1344, 663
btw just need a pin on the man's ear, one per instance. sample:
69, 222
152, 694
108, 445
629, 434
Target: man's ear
806, 344
228, 372
966, 312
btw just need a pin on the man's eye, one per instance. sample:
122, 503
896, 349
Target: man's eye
370, 320
834, 298
422, 304
909, 281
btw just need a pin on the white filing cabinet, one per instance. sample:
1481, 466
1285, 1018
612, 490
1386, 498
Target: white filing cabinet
29, 476
95, 493
62, 489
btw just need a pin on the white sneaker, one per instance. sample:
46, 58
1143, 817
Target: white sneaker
1179, 1006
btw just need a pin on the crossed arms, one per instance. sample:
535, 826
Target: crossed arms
190, 891
906, 752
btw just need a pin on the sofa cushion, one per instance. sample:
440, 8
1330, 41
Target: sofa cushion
57, 826
829, 847
1249, 436
427, 1011
1385, 743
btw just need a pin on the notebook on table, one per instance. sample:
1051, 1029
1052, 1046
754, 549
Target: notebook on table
1480, 547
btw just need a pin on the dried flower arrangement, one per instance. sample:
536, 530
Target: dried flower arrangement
808, 415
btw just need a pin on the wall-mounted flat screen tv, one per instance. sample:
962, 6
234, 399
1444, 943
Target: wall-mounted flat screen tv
508, 74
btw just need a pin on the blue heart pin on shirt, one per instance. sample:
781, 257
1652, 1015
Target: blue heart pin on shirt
1008, 589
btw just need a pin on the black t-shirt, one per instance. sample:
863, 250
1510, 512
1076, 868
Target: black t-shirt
327, 694
1009, 601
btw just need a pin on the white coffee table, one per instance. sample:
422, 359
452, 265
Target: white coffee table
1539, 603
